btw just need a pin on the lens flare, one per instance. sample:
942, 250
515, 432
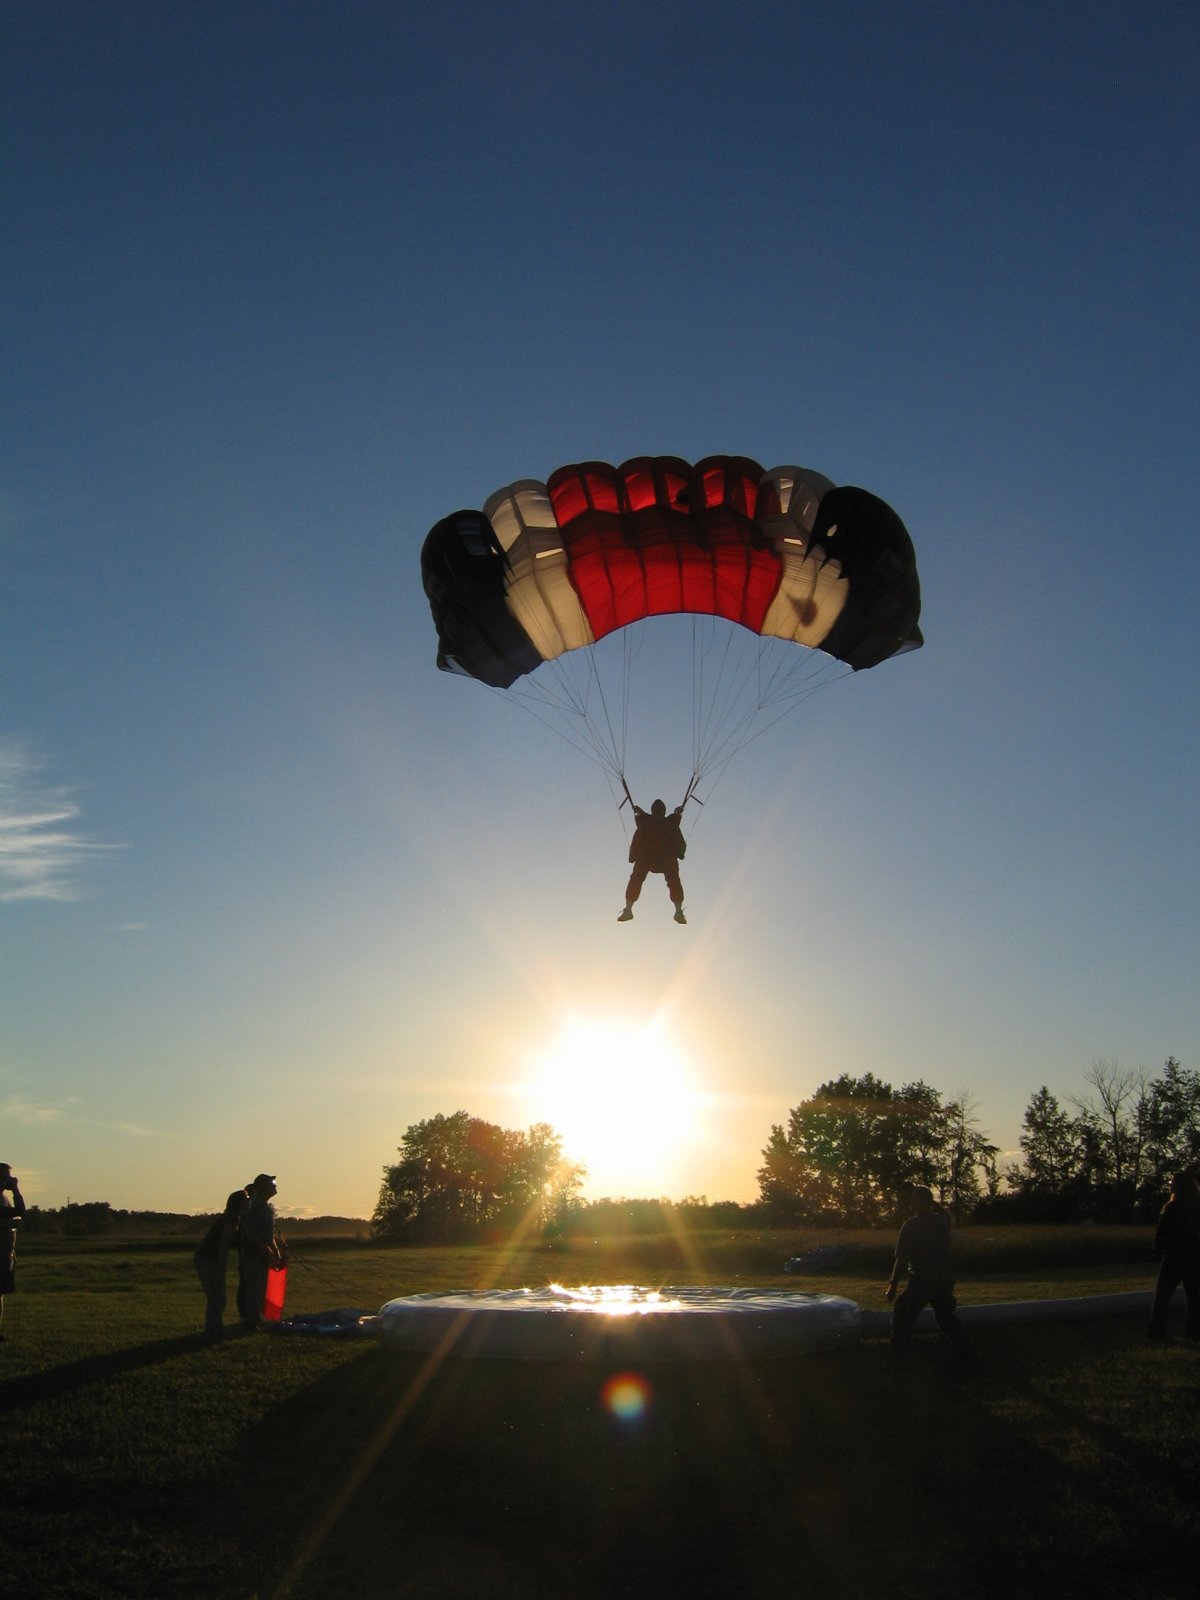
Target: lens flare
626, 1396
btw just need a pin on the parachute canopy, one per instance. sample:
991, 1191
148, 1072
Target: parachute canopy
548, 568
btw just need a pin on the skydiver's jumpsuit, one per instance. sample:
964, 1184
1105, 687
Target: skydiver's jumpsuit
657, 846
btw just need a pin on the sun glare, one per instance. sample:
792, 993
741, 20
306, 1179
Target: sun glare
623, 1099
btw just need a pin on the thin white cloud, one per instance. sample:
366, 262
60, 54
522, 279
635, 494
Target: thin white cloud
134, 1130
32, 1113
42, 849
17, 1109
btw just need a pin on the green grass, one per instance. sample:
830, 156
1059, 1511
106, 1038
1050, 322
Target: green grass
139, 1463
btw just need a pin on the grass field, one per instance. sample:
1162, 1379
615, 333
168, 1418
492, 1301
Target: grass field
140, 1463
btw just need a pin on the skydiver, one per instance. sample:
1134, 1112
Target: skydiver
657, 845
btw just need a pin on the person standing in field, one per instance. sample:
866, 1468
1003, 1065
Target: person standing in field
1177, 1241
211, 1257
259, 1250
924, 1253
12, 1209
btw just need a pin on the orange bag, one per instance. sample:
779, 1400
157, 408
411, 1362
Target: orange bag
276, 1292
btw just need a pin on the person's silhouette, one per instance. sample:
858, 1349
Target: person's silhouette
657, 846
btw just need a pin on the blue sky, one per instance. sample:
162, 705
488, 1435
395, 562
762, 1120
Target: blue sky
288, 283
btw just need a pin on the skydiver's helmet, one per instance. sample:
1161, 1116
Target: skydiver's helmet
658, 809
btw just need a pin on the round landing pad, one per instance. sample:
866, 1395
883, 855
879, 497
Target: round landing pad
622, 1322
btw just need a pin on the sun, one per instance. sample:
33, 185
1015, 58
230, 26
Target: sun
624, 1099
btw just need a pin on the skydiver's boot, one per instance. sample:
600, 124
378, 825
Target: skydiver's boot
679, 916
626, 915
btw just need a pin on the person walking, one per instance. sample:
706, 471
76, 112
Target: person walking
924, 1254
1177, 1241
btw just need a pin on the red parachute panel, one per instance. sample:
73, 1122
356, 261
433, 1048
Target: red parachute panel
657, 535
587, 508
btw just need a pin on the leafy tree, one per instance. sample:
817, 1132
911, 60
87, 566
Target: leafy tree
1172, 1124
80, 1220
919, 1135
564, 1208
1050, 1179
844, 1154
966, 1154
835, 1159
781, 1178
459, 1176
1049, 1143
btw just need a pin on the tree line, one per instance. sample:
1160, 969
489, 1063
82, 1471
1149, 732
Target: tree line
847, 1153
1110, 1156
97, 1219
92, 1219
843, 1158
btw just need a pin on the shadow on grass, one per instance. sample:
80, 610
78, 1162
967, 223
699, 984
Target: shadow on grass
515, 1480
1117, 1473
36, 1387
360, 1471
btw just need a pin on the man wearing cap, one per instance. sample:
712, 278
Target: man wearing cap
259, 1251
923, 1251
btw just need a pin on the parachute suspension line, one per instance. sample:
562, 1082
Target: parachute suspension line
696, 694
631, 640
720, 695
614, 747
709, 700
577, 697
553, 718
564, 692
566, 715
703, 697
698, 702
731, 679
735, 697
627, 655
732, 692
569, 697
751, 728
